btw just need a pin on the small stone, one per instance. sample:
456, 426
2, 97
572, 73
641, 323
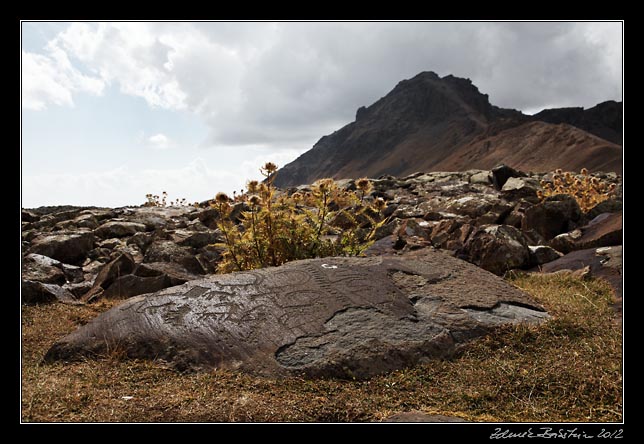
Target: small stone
542, 254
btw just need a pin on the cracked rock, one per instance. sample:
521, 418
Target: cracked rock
331, 317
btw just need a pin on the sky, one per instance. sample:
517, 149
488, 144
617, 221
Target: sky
112, 111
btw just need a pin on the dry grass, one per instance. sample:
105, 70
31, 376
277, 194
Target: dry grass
568, 370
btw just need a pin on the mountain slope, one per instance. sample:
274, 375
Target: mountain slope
431, 123
603, 120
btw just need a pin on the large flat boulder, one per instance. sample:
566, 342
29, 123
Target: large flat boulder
339, 317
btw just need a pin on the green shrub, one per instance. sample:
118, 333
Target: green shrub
274, 228
587, 190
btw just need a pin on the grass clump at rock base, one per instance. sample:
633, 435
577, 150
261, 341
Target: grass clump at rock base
566, 370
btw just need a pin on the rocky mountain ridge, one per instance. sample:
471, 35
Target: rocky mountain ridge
430, 123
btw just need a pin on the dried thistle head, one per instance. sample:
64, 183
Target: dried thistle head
253, 186
558, 171
324, 185
222, 198
540, 194
584, 172
364, 184
297, 197
379, 204
255, 200
269, 168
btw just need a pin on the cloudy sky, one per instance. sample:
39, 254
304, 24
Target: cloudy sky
113, 111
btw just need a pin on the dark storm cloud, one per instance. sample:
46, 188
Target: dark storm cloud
290, 83
314, 75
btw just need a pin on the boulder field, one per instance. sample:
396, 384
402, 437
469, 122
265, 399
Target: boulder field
426, 287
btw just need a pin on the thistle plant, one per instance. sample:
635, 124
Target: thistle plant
276, 228
154, 200
587, 190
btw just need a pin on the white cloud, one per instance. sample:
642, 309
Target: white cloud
51, 79
40, 85
131, 54
126, 186
123, 186
271, 83
159, 141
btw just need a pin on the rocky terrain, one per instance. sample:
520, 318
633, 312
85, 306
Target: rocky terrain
413, 298
429, 123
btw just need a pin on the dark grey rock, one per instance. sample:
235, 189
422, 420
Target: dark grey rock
39, 293
542, 254
195, 239
175, 273
498, 248
521, 187
110, 272
70, 248
36, 267
28, 216
87, 221
482, 178
501, 174
110, 244
168, 251
611, 205
343, 317
208, 217
603, 231
118, 229
141, 240
78, 289
73, 274
557, 214
130, 285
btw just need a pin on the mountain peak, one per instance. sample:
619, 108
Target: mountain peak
436, 123
428, 96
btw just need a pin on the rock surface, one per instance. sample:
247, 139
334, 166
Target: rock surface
341, 317
68, 248
498, 248
37, 293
